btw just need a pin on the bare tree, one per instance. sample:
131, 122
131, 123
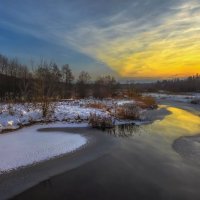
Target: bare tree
47, 81
67, 78
104, 86
25, 83
83, 84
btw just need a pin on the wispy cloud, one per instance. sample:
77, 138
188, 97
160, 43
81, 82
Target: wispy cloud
143, 48
142, 39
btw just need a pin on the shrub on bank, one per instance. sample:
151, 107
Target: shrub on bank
146, 102
128, 111
97, 121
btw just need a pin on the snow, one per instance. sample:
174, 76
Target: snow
122, 102
28, 146
71, 112
16, 115
13, 116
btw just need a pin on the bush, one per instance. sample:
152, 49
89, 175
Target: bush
128, 111
47, 107
102, 122
146, 102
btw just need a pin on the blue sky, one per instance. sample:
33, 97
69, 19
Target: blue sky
105, 36
30, 30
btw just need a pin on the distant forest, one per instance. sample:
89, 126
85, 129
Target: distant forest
190, 84
48, 80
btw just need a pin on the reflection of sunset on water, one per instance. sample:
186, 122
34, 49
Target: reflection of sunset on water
178, 123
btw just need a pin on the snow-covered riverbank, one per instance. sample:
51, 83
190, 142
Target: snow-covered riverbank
29, 146
13, 116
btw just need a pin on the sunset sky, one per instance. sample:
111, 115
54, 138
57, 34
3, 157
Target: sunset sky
140, 39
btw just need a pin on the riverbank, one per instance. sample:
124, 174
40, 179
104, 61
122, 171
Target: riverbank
14, 116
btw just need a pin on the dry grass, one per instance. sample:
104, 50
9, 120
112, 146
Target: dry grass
46, 105
102, 122
145, 102
128, 111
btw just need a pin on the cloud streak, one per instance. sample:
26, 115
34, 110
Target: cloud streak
140, 39
139, 48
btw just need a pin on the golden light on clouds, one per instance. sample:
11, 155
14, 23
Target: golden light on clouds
170, 48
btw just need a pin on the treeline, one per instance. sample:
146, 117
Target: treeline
190, 84
19, 82
47, 80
